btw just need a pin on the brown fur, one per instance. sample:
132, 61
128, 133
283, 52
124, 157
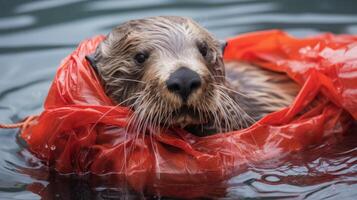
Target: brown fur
264, 91
220, 104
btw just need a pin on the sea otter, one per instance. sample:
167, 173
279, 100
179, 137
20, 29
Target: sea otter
169, 70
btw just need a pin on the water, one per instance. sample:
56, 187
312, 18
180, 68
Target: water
36, 35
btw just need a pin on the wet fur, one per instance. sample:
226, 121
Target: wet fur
264, 91
223, 103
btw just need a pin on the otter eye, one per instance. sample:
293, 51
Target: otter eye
203, 49
141, 57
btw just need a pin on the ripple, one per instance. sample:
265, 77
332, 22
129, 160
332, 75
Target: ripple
17, 22
42, 5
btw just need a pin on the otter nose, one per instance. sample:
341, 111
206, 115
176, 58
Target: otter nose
183, 81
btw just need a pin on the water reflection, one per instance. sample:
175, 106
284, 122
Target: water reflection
324, 171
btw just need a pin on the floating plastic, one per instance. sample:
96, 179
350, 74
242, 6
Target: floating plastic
82, 131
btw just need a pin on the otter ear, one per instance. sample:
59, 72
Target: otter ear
222, 44
91, 59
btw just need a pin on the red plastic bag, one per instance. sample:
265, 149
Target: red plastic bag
80, 130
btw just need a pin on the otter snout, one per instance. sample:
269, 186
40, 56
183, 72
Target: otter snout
183, 82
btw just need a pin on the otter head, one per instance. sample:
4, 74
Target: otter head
169, 70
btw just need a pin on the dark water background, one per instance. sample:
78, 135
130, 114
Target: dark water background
36, 35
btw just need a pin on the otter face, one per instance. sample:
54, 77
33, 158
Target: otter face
169, 70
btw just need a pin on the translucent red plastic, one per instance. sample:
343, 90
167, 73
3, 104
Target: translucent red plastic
81, 130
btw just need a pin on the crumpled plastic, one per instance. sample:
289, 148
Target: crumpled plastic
81, 130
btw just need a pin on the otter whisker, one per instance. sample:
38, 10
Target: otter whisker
107, 112
235, 105
135, 96
135, 118
222, 114
231, 90
139, 115
149, 114
156, 119
225, 114
247, 119
208, 111
235, 109
131, 80
146, 110
167, 115
219, 76
159, 115
140, 119
205, 108
217, 122
102, 116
